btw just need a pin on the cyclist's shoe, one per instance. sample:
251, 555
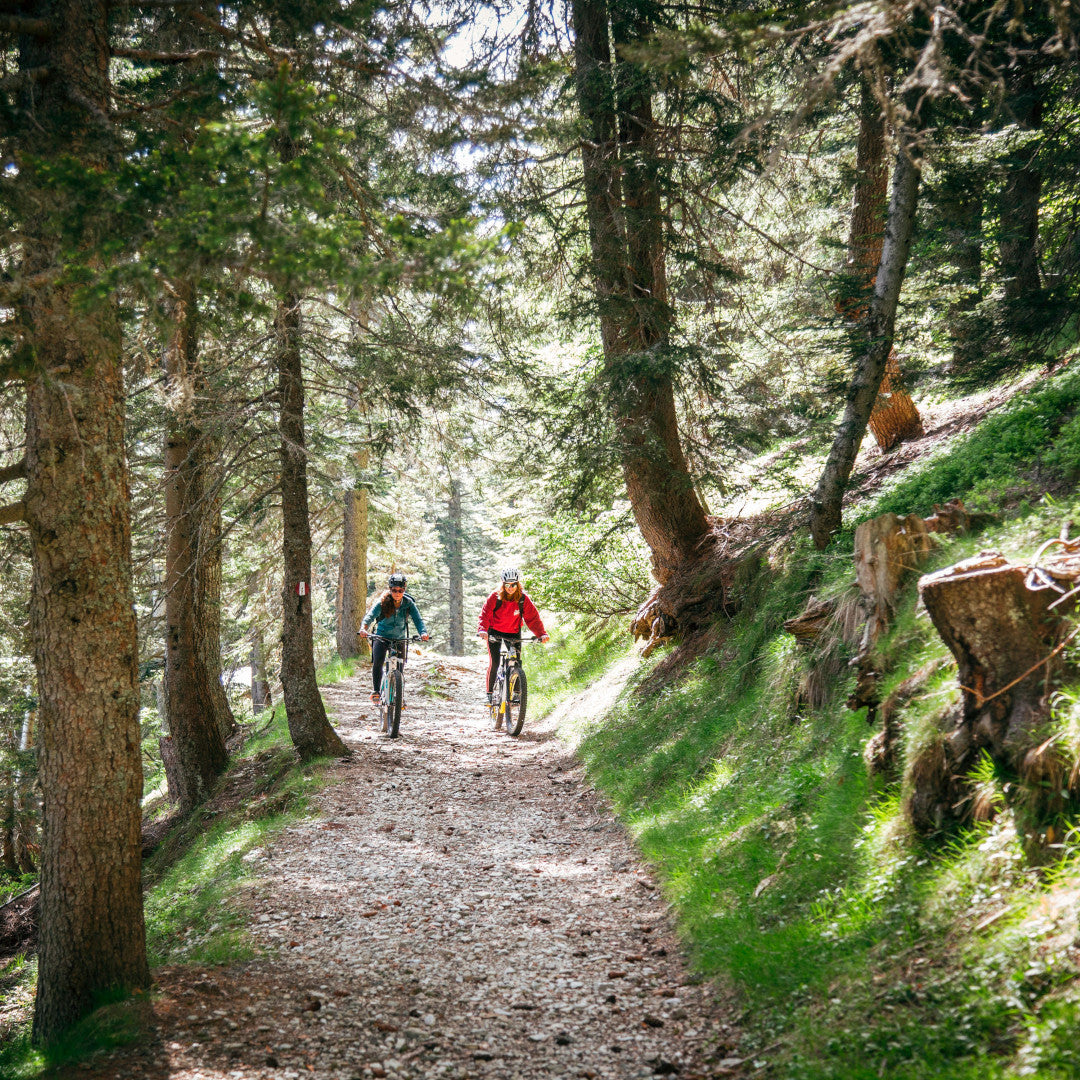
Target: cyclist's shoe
375, 697
515, 698
489, 699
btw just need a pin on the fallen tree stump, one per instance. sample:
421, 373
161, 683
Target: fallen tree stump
809, 624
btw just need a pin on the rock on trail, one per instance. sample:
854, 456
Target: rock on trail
462, 907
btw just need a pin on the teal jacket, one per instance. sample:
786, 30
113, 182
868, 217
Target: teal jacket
395, 626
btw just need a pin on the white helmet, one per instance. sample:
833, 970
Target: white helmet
510, 575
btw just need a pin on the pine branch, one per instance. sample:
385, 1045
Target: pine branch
154, 56
21, 24
12, 513
13, 472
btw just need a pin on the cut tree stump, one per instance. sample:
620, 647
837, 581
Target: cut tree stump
887, 548
1004, 623
895, 417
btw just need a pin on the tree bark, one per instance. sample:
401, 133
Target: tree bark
623, 207
352, 577
91, 939
309, 727
866, 232
11, 862
260, 685
877, 335
455, 568
208, 590
197, 742
894, 416
1018, 247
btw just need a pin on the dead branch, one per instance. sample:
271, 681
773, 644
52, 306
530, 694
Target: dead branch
25, 26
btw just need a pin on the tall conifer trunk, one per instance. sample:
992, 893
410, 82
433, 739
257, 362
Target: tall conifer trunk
455, 570
309, 727
894, 416
960, 205
208, 589
1018, 247
352, 576
197, 741
91, 938
623, 206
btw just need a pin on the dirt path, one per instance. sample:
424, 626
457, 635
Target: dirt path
462, 907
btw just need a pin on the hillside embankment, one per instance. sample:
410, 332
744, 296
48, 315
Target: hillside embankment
881, 860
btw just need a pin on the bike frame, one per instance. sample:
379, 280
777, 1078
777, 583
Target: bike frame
395, 655
509, 655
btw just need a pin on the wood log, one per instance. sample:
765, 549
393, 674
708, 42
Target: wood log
808, 625
953, 518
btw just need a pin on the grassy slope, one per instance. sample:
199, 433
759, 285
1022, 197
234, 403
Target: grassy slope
858, 949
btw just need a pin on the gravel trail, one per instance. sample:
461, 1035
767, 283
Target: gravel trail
464, 906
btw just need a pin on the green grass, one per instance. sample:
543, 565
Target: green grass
1035, 437
857, 949
580, 653
189, 914
112, 1024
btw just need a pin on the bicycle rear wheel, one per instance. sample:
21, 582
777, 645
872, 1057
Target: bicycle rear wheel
393, 716
517, 694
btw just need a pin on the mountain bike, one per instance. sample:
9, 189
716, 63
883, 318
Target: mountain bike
392, 688
510, 694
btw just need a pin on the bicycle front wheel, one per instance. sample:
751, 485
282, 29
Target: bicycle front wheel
516, 698
393, 715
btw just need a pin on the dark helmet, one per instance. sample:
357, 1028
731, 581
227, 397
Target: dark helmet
510, 575
397, 580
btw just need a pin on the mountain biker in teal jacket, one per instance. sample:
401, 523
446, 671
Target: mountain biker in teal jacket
390, 614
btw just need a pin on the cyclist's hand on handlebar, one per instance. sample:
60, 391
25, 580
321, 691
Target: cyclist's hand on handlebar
481, 633
545, 638
362, 631
425, 637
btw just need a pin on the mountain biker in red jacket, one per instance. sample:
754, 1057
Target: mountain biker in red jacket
501, 617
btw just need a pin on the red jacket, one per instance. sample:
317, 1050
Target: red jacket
507, 620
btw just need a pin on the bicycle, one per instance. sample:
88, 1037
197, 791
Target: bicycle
510, 693
392, 688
